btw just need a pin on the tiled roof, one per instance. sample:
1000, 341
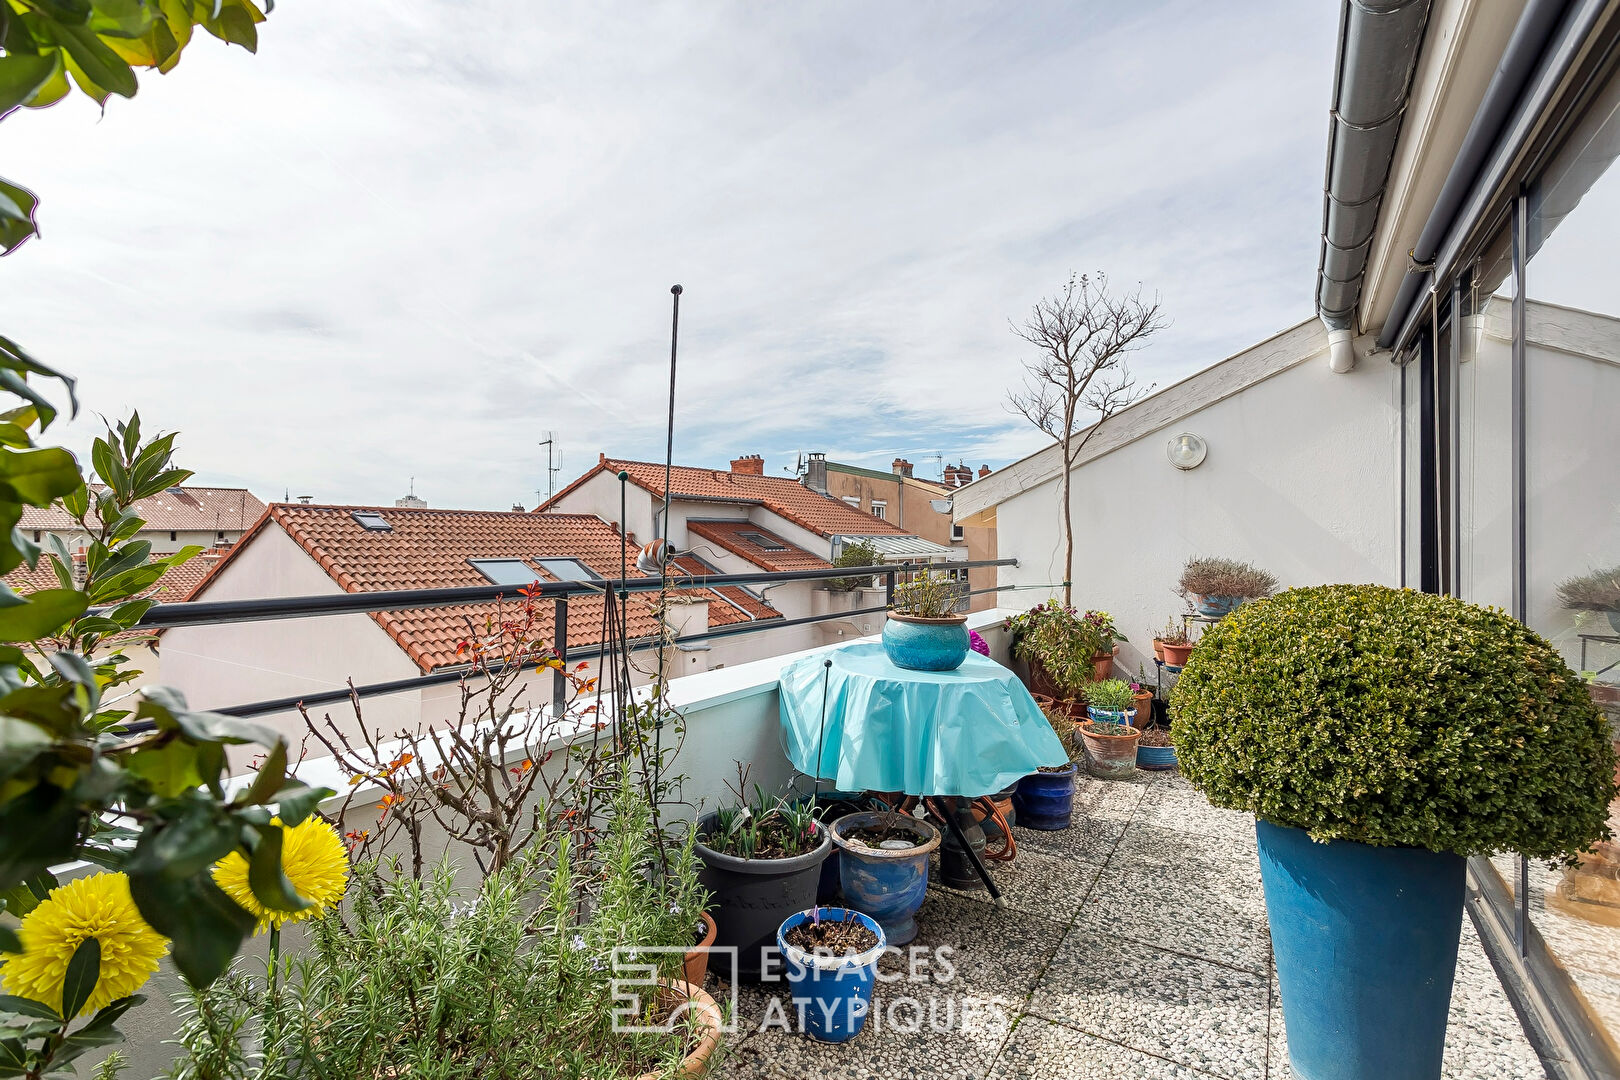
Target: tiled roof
821, 514
734, 536
430, 548
174, 586
184, 508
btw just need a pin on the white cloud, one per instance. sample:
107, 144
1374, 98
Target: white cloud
407, 237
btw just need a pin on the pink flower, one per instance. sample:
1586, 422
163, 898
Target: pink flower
978, 644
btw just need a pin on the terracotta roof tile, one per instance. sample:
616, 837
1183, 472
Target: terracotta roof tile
737, 538
174, 586
186, 508
821, 514
430, 548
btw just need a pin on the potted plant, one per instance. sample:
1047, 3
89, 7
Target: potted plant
830, 956
1107, 734
1044, 800
1175, 644
1104, 637
1058, 646
1215, 586
1380, 737
883, 867
1598, 591
924, 631
760, 861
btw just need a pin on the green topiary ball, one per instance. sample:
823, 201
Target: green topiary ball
1396, 718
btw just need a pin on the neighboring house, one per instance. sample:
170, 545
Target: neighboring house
311, 550
175, 518
923, 506
743, 521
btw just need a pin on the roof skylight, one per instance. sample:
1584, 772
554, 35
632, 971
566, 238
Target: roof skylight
372, 521
506, 571
569, 570
760, 540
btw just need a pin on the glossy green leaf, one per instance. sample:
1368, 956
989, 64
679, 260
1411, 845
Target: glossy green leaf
83, 972
266, 877
298, 800
170, 768
39, 475
21, 1006
21, 76
17, 206
205, 927
96, 68
46, 612
268, 780
38, 829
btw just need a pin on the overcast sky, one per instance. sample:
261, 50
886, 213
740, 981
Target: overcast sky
406, 238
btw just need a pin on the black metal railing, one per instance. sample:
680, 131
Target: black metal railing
222, 612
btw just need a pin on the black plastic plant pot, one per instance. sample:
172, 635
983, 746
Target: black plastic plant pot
751, 897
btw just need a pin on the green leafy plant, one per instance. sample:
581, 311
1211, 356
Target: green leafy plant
1395, 718
97, 44
860, 553
1174, 633
764, 827
1110, 694
421, 978
1060, 640
927, 595
1210, 576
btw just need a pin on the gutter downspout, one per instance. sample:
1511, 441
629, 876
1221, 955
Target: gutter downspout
1513, 73
1378, 49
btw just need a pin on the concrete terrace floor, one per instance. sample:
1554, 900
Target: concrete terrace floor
1134, 944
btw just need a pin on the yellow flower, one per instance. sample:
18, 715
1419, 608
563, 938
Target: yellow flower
100, 907
314, 860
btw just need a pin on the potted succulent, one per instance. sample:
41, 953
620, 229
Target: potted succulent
924, 631
830, 956
1058, 646
1044, 800
1175, 645
883, 867
1381, 737
1215, 586
1107, 734
1598, 591
760, 861
1104, 637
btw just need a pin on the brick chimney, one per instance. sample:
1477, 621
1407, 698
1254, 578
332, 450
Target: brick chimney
984, 471
748, 465
901, 467
81, 572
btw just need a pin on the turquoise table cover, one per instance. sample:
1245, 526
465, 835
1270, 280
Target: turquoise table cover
972, 731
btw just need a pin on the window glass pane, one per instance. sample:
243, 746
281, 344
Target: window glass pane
1572, 542
569, 570
506, 571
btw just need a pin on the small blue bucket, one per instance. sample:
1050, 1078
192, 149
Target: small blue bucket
831, 994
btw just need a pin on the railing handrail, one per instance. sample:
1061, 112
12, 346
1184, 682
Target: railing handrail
215, 612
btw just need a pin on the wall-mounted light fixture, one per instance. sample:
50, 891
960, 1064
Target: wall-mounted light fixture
1187, 451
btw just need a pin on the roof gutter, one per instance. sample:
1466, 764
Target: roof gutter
1520, 61
1378, 49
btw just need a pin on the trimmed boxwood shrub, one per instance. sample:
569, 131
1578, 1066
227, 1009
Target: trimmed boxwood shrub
1395, 718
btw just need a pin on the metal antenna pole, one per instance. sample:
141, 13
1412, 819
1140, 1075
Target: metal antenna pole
669, 467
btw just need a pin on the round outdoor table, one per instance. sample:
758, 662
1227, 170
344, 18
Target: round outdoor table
852, 717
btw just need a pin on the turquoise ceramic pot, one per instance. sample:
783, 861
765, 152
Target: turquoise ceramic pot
926, 644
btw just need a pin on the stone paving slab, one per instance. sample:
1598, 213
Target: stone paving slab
1134, 945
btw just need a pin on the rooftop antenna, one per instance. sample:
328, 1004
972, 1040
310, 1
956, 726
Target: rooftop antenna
552, 466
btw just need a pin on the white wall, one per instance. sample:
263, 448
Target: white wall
1301, 479
235, 663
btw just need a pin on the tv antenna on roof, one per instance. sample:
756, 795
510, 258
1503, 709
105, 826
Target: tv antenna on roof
553, 465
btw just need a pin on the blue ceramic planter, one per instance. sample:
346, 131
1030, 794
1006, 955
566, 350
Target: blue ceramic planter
1157, 758
1366, 946
925, 644
1045, 800
831, 995
887, 883
1214, 607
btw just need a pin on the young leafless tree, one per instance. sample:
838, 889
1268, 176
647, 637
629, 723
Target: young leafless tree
1079, 377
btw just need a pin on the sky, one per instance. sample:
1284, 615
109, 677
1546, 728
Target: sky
409, 239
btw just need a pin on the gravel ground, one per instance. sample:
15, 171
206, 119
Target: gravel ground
1133, 945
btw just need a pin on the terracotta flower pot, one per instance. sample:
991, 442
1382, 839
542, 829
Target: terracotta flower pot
1108, 757
685, 996
1102, 666
1158, 649
1144, 708
697, 958
1176, 655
